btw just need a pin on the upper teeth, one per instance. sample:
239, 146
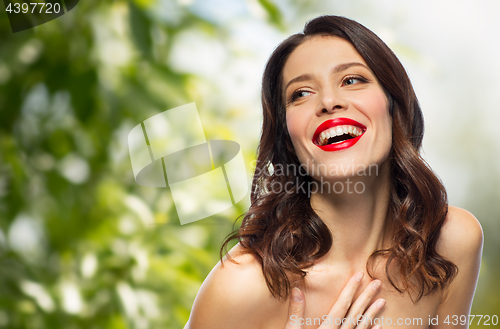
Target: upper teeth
338, 131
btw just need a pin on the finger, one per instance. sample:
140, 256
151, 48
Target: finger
368, 318
341, 307
343, 303
296, 310
364, 300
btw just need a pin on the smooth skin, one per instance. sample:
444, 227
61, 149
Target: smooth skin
342, 309
236, 295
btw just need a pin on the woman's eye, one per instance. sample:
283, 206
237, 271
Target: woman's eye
352, 81
299, 94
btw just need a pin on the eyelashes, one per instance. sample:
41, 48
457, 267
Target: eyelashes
347, 81
351, 78
297, 94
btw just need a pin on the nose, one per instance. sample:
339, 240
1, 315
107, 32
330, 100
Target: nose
331, 101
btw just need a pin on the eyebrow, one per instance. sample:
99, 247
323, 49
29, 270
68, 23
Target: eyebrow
336, 69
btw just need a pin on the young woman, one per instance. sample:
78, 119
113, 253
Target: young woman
347, 221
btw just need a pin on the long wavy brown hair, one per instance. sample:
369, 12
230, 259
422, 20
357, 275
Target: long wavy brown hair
282, 230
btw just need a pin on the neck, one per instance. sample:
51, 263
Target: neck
356, 217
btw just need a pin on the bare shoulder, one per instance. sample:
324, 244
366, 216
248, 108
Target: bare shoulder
234, 295
461, 235
461, 242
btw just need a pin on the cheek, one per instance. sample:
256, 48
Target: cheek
379, 107
376, 108
383, 122
384, 117
295, 126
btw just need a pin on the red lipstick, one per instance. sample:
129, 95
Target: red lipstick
334, 123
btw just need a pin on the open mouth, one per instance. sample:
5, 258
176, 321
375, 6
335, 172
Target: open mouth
337, 134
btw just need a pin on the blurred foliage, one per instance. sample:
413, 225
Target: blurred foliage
81, 244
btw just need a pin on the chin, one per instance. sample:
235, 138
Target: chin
343, 166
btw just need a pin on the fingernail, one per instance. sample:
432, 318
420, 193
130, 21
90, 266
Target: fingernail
376, 284
381, 303
296, 295
359, 276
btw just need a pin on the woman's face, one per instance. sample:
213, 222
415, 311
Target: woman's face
336, 111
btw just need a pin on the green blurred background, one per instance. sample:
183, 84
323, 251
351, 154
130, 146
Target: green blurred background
83, 246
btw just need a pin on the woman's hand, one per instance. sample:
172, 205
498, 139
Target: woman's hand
342, 308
